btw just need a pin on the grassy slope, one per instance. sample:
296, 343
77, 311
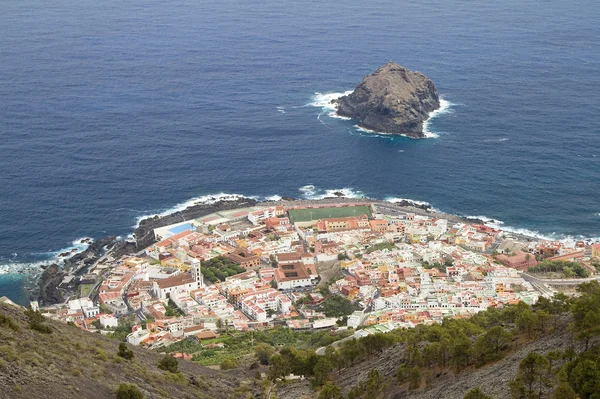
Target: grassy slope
71, 363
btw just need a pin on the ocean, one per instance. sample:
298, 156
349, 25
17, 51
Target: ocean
113, 110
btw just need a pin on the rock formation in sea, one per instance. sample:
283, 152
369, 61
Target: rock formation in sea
393, 99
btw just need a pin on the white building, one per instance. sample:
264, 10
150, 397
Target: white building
109, 320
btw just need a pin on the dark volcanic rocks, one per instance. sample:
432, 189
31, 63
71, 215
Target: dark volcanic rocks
393, 99
144, 233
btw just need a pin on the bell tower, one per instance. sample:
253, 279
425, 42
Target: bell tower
197, 272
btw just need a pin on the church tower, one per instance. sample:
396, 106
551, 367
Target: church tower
197, 273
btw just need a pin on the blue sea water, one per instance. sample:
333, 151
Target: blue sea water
111, 110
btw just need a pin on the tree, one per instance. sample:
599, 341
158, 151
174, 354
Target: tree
532, 377
219, 324
553, 356
124, 351
278, 368
542, 320
586, 312
414, 377
322, 370
168, 363
96, 324
461, 351
129, 391
489, 345
36, 321
330, 391
337, 306
263, 353
564, 391
526, 321
477, 393
586, 379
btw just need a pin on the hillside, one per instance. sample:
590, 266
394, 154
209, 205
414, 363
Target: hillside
71, 363
446, 383
550, 350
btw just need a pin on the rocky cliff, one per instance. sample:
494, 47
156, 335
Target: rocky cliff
393, 99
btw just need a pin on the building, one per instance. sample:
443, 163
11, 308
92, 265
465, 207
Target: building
108, 320
340, 224
258, 216
185, 282
520, 260
294, 275
596, 250
244, 258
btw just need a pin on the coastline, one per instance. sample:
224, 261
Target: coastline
50, 287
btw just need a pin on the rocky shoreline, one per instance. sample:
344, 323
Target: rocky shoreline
393, 100
48, 288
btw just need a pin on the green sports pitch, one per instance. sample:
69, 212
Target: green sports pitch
308, 214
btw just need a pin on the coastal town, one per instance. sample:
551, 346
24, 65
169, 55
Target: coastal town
363, 267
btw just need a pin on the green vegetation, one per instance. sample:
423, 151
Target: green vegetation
228, 364
36, 321
306, 215
440, 266
129, 391
454, 344
459, 344
381, 246
168, 363
7, 322
85, 290
219, 268
337, 306
88, 365
369, 388
330, 391
343, 256
123, 329
171, 309
124, 351
262, 344
566, 268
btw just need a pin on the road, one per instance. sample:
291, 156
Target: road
558, 281
543, 289
321, 351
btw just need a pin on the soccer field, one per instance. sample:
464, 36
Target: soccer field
305, 215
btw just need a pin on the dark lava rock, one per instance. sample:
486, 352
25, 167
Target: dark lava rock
393, 99
144, 233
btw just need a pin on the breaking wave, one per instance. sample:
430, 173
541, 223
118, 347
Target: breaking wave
33, 267
396, 200
445, 108
204, 199
314, 193
324, 101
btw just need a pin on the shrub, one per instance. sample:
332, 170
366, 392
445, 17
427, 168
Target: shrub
41, 328
36, 321
124, 351
129, 391
168, 363
228, 364
6, 321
